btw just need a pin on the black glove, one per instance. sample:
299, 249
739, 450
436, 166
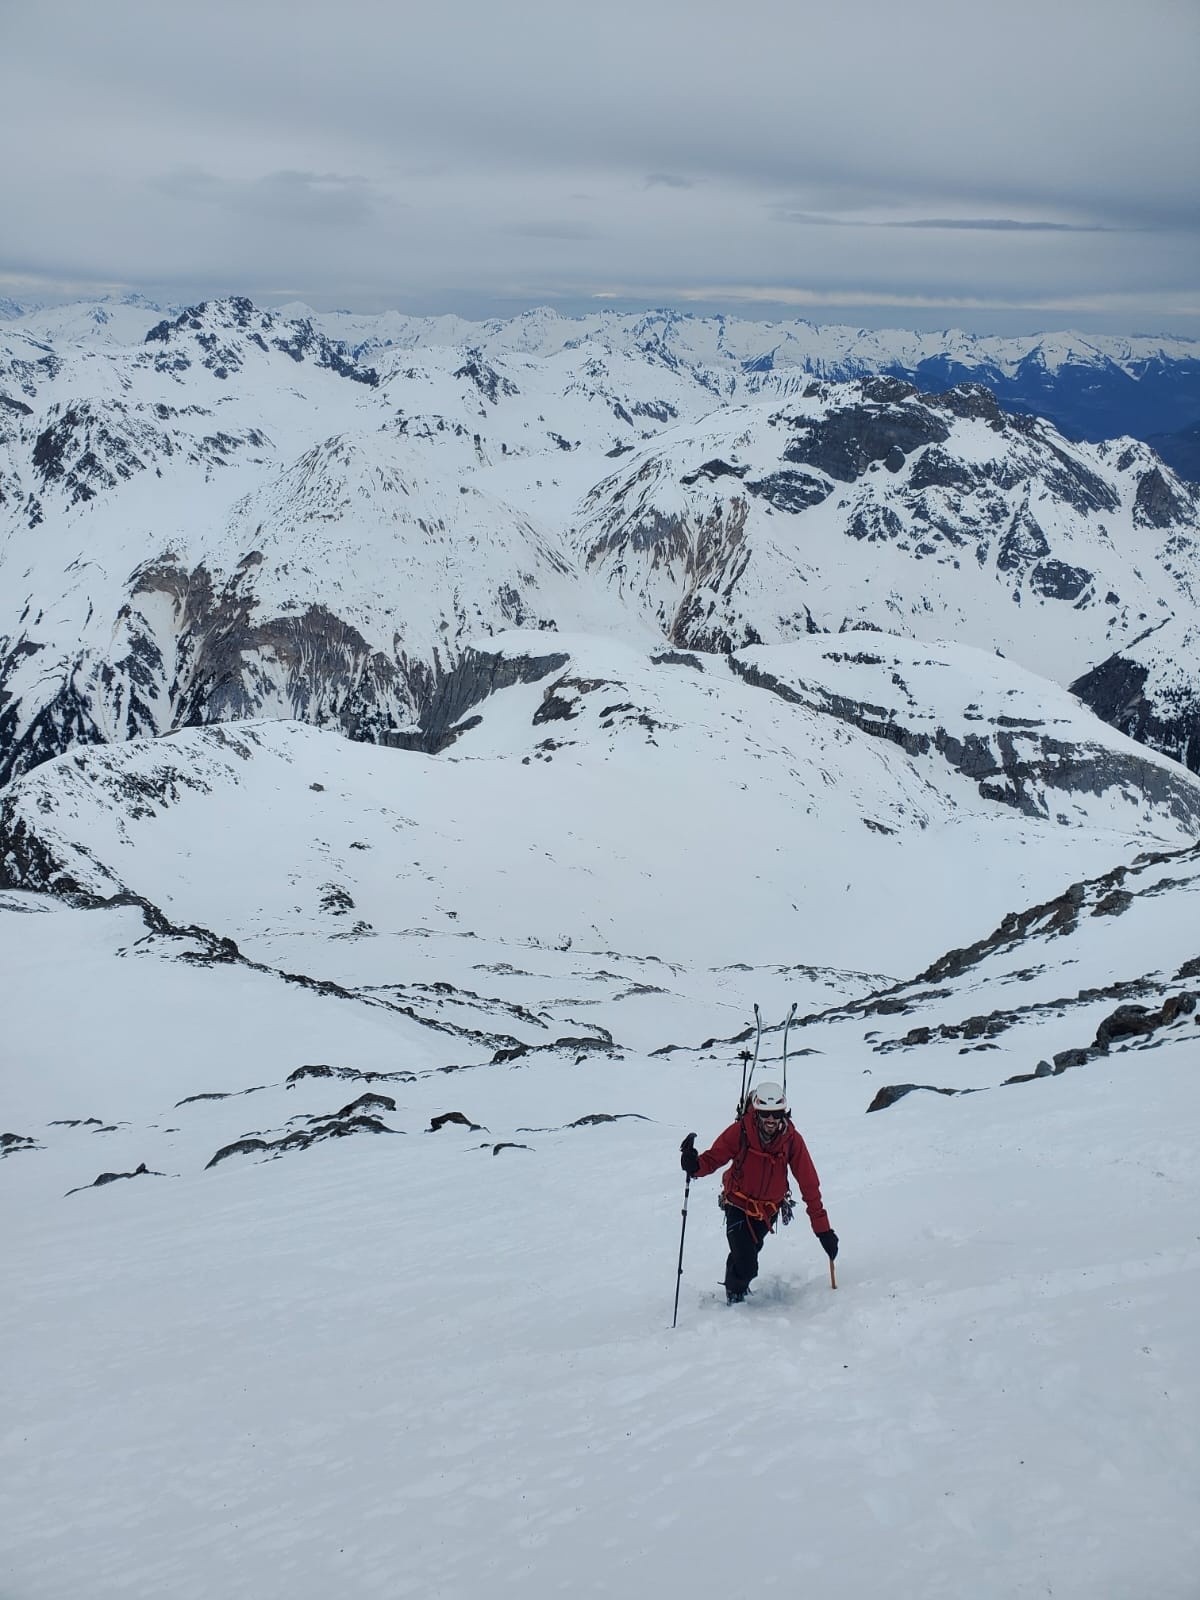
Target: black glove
689, 1160
828, 1242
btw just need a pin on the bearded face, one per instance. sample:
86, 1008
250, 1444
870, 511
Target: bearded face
770, 1124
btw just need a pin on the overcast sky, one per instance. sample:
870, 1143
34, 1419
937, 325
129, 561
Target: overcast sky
998, 165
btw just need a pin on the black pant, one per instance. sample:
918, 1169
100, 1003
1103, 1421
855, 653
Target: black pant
745, 1235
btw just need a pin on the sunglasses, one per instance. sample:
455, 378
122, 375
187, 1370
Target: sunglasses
772, 1116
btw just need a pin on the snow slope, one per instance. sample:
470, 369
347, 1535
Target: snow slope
415, 1361
632, 803
342, 1079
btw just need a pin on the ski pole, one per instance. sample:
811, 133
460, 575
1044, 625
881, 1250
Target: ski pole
832, 1276
687, 1184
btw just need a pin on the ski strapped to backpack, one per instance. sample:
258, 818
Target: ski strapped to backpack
748, 1080
747, 1059
786, 1029
787, 1208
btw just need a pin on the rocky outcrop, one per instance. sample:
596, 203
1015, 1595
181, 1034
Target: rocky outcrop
1016, 762
320, 1070
452, 694
886, 427
1122, 691
11, 1143
342, 1124
140, 1171
223, 331
888, 1095
1157, 504
1128, 1025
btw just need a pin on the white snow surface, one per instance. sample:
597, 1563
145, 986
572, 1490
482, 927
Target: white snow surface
417, 1364
410, 1362
270, 1332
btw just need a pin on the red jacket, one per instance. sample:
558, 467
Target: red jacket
757, 1182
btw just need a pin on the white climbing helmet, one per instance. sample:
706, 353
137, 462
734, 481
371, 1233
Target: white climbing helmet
770, 1097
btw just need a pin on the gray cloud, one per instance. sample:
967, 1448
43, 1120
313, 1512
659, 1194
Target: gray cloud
552, 230
291, 197
938, 157
981, 224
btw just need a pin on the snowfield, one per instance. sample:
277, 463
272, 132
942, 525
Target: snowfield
407, 1365
276, 1328
425, 746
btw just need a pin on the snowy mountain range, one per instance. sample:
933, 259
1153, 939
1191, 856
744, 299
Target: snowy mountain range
1091, 387
425, 750
238, 516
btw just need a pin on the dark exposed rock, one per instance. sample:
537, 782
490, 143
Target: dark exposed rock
871, 719
455, 1117
322, 1071
485, 378
141, 1170
1024, 543
1052, 916
678, 658
471, 681
11, 1143
594, 1118
1042, 1070
790, 491
1125, 1020
1068, 479
712, 470
935, 468
1071, 1058
1014, 765
1131, 1020
877, 524
239, 1147
582, 1044
656, 410
1058, 581
896, 1091
222, 329
1115, 691
555, 707
1113, 904
845, 443
367, 1102
997, 1022
339, 1126
1156, 504
507, 1144
975, 401
512, 1053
